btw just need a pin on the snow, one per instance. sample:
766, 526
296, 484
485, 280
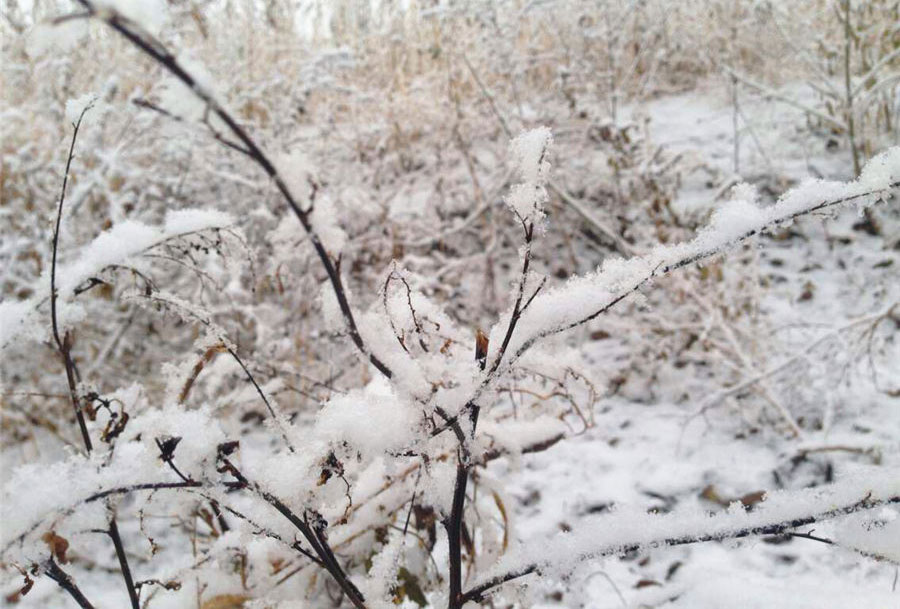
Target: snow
619, 532
117, 245
582, 297
151, 15
45, 37
297, 170
530, 150
349, 419
324, 220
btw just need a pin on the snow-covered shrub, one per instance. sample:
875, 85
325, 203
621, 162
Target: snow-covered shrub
295, 397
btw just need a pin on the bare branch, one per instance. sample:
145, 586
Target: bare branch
64, 346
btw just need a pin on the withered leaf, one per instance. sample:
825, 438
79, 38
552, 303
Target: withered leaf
58, 546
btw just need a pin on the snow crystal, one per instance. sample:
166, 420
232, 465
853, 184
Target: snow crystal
530, 151
182, 221
882, 171
514, 436
382, 575
200, 430
731, 221
128, 238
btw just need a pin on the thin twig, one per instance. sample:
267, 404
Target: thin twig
64, 345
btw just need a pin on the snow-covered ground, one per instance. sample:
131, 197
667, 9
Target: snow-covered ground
645, 457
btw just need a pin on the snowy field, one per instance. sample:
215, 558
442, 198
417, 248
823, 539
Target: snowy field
454, 304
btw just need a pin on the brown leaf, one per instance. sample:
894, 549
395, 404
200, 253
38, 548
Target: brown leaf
15, 597
409, 588
114, 427
647, 582
751, 499
481, 348
502, 508
58, 546
208, 355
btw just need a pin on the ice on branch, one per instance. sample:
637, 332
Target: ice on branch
529, 150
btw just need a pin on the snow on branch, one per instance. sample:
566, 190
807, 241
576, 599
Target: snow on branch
527, 199
112, 247
584, 298
624, 532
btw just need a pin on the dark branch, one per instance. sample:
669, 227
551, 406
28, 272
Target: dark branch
314, 533
517, 307
123, 562
453, 524
64, 345
278, 422
65, 581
